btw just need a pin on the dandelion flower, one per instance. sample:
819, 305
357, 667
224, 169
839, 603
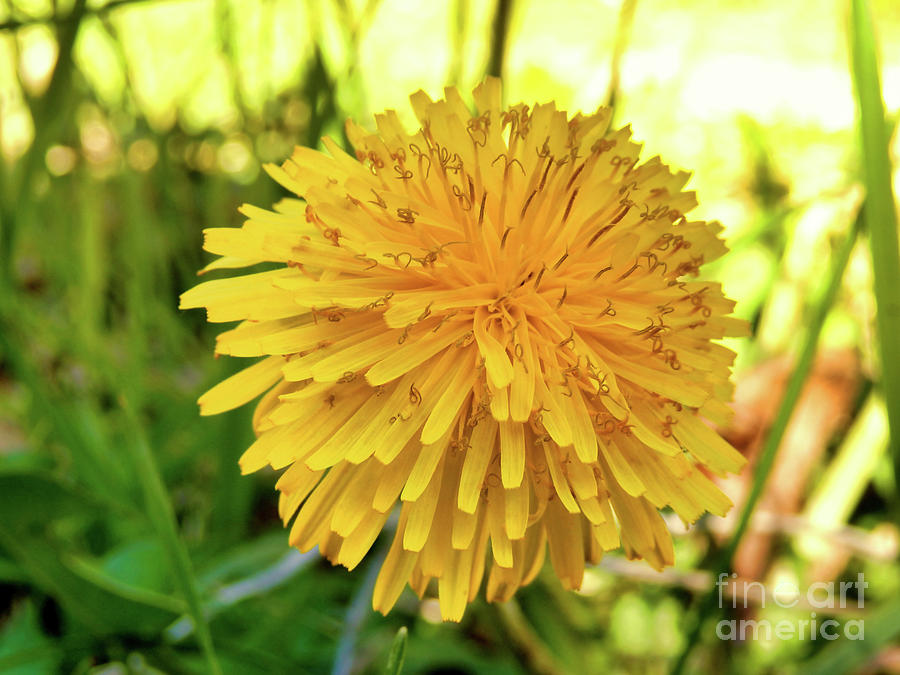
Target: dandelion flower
491, 322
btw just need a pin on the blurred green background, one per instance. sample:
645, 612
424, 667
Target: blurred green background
129, 543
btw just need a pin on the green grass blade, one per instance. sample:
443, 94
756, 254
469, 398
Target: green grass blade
48, 123
73, 422
792, 392
161, 514
398, 653
844, 656
881, 215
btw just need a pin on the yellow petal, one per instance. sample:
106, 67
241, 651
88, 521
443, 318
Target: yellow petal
487, 94
584, 437
424, 468
252, 296
706, 445
582, 478
496, 361
618, 468
512, 453
501, 546
312, 521
552, 414
560, 482
516, 502
475, 464
451, 400
358, 543
503, 582
412, 353
393, 480
241, 387
356, 501
499, 403
395, 571
453, 588
421, 514
464, 525
521, 393
566, 545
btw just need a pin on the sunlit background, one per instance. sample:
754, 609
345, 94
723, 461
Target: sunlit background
128, 127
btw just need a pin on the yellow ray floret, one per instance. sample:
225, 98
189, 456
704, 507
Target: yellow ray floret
491, 324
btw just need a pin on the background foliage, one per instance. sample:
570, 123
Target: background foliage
128, 540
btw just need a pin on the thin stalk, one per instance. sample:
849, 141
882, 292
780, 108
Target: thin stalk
162, 516
279, 573
461, 14
499, 34
357, 613
881, 215
623, 34
802, 368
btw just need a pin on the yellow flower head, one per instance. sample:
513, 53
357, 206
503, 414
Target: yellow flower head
491, 322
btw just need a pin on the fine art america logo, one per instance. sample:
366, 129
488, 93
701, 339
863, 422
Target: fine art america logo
828, 598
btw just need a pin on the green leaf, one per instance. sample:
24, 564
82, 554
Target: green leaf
29, 504
141, 563
10, 572
92, 599
95, 574
24, 648
29, 500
